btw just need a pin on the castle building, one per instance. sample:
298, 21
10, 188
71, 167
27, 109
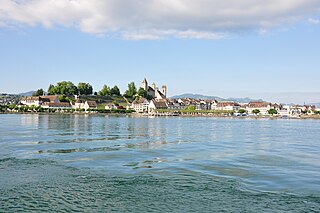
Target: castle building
154, 91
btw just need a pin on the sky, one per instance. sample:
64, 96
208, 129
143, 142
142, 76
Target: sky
260, 49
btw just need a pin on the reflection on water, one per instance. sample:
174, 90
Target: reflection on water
267, 155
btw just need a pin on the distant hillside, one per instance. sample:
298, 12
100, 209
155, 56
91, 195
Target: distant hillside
243, 100
26, 93
198, 96
205, 97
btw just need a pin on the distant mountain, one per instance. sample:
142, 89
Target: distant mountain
198, 96
26, 93
205, 97
243, 100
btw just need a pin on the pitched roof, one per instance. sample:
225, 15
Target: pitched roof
31, 98
160, 103
139, 101
60, 104
258, 104
52, 98
92, 103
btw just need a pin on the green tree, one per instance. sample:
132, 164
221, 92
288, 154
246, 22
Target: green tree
241, 111
256, 111
51, 90
115, 91
142, 93
39, 92
105, 91
63, 98
85, 88
66, 88
63, 88
272, 111
131, 91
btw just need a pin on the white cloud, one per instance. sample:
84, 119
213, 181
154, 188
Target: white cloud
314, 21
158, 19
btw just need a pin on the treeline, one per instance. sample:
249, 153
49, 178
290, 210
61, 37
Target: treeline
37, 109
68, 88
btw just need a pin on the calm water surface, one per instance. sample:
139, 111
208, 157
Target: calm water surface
125, 164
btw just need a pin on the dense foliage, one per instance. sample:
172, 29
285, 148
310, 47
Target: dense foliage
272, 111
115, 91
39, 92
256, 111
85, 88
105, 91
63, 88
131, 91
242, 111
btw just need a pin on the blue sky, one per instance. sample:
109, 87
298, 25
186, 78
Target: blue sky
275, 58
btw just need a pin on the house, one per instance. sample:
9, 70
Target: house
39, 100
157, 104
84, 105
140, 105
228, 106
154, 91
298, 110
174, 104
51, 98
284, 111
213, 104
60, 105
32, 101
201, 105
263, 107
111, 106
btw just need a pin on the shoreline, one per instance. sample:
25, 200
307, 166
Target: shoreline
315, 117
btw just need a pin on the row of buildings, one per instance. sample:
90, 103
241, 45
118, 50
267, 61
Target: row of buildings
53, 102
159, 101
143, 105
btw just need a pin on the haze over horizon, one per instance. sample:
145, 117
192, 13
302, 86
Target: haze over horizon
265, 49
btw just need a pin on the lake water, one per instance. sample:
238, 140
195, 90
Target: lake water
126, 164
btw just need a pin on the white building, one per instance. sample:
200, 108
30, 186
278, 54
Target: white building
263, 107
227, 106
84, 105
39, 100
154, 91
140, 105
157, 104
61, 105
111, 106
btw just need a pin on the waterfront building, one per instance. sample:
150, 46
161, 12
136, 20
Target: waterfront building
84, 105
263, 107
60, 105
157, 104
140, 105
39, 100
228, 106
111, 106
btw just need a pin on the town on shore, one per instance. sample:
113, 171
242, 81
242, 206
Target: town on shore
65, 97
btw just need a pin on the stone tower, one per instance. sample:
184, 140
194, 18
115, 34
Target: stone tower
164, 90
144, 84
153, 86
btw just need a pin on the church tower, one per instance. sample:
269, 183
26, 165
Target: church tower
164, 90
144, 84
